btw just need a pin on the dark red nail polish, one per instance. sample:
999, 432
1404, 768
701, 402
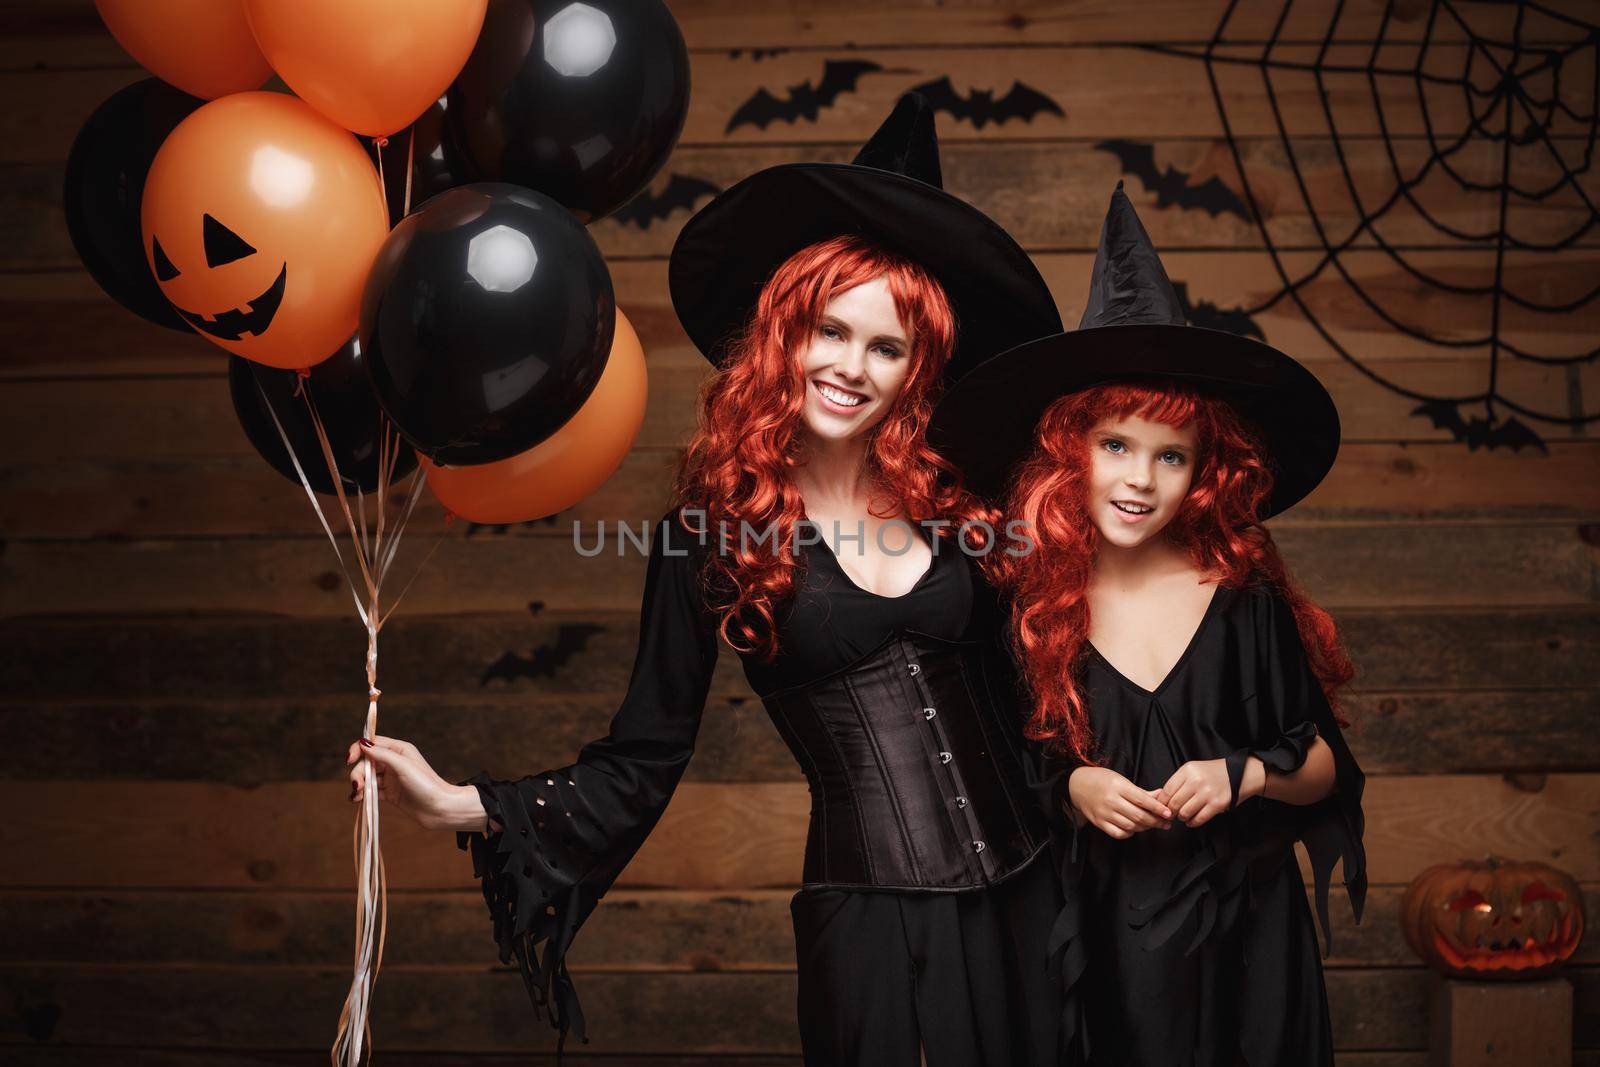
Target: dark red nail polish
364, 741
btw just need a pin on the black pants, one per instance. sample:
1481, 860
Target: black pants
961, 978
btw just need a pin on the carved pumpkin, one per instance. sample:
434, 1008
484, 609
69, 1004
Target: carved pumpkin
1492, 918
261, 219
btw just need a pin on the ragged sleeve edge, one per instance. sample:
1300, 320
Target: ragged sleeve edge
535, 897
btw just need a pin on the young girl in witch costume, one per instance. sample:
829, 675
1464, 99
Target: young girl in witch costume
1184, 682
830, 296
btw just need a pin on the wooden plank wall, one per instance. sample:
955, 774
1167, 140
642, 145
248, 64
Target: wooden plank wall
181, 675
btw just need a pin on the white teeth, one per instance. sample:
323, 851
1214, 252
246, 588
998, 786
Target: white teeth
837, 397
1131, 508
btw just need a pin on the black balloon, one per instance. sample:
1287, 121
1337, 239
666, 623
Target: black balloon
487, 321
106, 169
581, 101
342, 392
422, 145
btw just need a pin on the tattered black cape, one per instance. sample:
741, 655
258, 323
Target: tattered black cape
1196, 947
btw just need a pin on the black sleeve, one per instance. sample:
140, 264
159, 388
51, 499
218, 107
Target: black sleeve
555, 841
1288, 711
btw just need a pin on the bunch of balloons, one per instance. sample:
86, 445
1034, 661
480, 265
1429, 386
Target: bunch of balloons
483, 327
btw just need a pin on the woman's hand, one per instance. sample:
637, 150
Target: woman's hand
405, 779
1199, 790
1114, 804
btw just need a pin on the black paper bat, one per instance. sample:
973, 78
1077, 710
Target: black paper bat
1479, 432
571, 639
980, 107
1233, 320
682, 191
1171, 186
839, 76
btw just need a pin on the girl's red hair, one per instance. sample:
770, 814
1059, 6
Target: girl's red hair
1216, 525
738, 465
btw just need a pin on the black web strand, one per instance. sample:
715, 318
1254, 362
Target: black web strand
1500, 246
1365, 223
1291, 288
1260, 219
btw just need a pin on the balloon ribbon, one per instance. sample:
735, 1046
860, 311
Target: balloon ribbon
374, 552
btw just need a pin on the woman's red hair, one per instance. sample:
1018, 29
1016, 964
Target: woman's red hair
1216, 525
739, 463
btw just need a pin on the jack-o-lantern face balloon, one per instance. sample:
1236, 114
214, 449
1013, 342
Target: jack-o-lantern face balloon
261, 219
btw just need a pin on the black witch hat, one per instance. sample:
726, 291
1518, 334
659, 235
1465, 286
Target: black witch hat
1133, 328
892, 194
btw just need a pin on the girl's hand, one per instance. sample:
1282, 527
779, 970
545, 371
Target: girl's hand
404, 778
1114, 804
1198, 791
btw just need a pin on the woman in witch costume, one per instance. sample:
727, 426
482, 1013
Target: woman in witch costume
1182, 681
829, 296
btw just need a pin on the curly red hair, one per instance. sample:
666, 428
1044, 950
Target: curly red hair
1216, 525
738, 464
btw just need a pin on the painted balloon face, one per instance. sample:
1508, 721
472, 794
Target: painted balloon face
249, 317
261, 219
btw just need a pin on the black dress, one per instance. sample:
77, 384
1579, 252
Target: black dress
1196, 946
955, 969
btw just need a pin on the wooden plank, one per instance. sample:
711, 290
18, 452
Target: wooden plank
252, 662
712, 836
1090, 87
647, 931
65, 420
1052, 195
721, 1013
1346, 565
66, 33
36, 1056
139, 499
250, 741
243, 741
62, 326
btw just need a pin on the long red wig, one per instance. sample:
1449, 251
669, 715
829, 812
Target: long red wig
1216, 525
739, 462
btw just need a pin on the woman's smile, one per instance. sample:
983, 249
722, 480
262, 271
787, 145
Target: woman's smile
837, 398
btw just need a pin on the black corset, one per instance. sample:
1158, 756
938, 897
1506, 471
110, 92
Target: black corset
913, 757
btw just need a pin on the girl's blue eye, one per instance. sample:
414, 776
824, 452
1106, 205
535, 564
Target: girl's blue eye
889, 351
1174, 458
830, 332
1114, 446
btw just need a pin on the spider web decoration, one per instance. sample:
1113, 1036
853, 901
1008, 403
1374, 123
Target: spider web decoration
1514, 107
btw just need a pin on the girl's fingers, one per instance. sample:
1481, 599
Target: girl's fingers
1139, 817
1114, 831
1207, 813
1191, 808
1141, 798
1185, 792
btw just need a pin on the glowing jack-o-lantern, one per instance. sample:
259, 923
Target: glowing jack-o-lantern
1492, 919
261, 219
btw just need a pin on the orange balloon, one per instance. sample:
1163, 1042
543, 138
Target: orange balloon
261, 220
372, 66
204, 47
567, 466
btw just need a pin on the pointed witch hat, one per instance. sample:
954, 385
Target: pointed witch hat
1133, 329
891, 194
